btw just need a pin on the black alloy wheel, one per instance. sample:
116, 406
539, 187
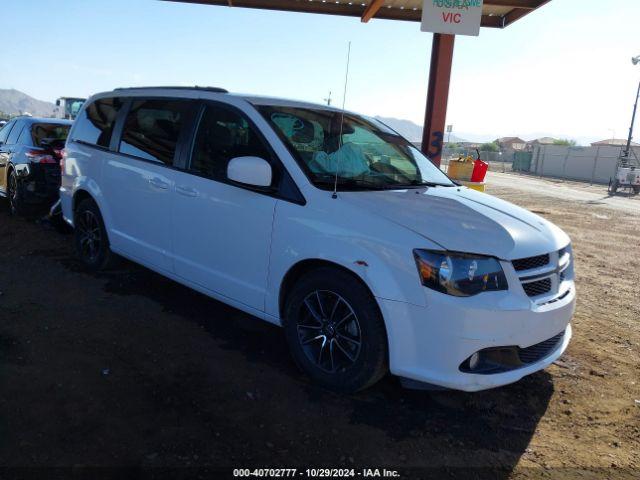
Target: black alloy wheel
329, 331
91, 241
89, 236
335, 330
13, 193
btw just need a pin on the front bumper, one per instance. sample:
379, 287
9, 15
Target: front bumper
429, 343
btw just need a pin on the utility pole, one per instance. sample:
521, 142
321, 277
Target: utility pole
635, 61
633, 119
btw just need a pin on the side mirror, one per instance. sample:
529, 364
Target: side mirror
254, 171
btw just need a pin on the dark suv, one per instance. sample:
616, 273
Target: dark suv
30, 154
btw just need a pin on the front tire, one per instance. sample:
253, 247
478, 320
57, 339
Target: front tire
91, 241
335, 331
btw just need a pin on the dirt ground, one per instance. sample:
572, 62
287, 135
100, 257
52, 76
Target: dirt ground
128, 369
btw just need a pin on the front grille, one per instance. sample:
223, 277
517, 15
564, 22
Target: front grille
540, 350
539, 287
531, 262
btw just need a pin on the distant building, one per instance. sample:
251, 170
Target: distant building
511, 143
542, 141
614, 142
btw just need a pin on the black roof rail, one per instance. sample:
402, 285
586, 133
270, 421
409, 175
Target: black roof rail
196, 87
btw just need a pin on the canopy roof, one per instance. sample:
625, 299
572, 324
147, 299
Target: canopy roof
495, 13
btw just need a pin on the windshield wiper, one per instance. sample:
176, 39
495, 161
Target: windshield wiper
417, 183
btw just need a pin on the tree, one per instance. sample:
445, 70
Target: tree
565, 142
489, 147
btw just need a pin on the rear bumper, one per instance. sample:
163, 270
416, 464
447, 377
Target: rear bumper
40, 183
429, 344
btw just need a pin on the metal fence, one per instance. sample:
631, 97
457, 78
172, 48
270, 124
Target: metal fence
587, 164
591, 164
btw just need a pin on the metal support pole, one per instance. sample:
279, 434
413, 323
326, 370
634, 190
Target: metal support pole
564, 164
438, 95
595, 165
633, 119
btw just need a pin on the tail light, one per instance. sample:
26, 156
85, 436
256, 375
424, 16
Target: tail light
39, 156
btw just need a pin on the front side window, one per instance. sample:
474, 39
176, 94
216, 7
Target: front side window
363, 152
95, 124
223, 134
152, 129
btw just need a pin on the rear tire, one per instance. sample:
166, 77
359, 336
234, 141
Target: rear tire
335, 331
15, 196
91, 241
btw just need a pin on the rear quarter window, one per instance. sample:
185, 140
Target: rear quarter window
15, 132
94, 125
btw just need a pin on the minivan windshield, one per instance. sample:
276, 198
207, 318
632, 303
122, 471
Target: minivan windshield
365, 153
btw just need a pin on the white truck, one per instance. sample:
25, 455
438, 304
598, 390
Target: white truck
68, 107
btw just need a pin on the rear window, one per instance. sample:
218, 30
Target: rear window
48, 133
95, 124
152, 129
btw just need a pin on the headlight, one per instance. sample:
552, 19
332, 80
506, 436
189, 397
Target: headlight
459, 274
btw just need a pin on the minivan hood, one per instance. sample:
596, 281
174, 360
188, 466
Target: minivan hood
462, 220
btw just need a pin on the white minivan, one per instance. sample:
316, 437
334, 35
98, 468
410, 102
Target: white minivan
327, 223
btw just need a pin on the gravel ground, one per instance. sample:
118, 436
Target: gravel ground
128, 369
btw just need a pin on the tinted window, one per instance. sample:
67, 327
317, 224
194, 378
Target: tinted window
152, 129
48, 133
4, 133
15, 132
95, 124
222, 135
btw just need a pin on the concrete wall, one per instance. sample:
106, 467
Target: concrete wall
591, 164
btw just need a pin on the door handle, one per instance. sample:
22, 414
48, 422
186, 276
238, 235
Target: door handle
186, 191
156, 182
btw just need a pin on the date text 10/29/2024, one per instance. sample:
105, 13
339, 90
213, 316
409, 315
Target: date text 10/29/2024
315, 473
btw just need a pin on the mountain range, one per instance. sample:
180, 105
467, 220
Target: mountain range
412, 131
15, 102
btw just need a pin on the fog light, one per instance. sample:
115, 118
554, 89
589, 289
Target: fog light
474, 360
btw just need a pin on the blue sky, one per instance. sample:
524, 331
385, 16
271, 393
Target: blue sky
563, 70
